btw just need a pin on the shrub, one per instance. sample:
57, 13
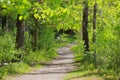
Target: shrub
3, 72
7, 47
79, 51
39, 56
19, 67
47, 39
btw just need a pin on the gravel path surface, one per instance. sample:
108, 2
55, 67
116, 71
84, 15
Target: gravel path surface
55, 70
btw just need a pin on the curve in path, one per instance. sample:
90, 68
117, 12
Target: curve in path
55, 70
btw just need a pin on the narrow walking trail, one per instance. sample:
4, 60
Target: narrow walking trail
55, 70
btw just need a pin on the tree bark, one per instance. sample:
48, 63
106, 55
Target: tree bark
20, 33
4, 21
35, 36
94, 22
36, 31
85, 26
94, 32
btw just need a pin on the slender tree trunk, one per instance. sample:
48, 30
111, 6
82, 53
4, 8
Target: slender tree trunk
94, 22
4, 21
36, 31
35, 36
20, 33
85, 26
94, 32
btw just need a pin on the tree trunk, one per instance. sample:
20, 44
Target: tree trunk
35, 36
94, 22
4, 21
36, 31
85, 26
94, 32
20, 33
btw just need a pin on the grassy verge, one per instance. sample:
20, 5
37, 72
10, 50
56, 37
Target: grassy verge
86, 69
14, 68
83, 74
30, 61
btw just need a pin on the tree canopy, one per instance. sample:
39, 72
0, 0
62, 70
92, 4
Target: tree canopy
28, 27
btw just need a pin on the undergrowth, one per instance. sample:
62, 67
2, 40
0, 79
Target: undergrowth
14, 68
28, 59
86, 67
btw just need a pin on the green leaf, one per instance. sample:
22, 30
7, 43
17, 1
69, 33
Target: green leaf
20, 17
43, 16
37, 16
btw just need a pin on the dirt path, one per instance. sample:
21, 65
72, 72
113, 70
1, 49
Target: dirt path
55, 70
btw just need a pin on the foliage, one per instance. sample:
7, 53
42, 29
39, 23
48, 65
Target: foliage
3, 72
14, 68
7, 47
79, 51
53, 15
47, 38
107, 39
39, 56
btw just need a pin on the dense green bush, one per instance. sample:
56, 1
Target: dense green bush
107, 53
3, 72
34, 57
107, 49
39, 56
81, 56
79, 51
47, 38
46, 48
7, 47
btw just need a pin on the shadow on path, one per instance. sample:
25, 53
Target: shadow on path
55, 70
